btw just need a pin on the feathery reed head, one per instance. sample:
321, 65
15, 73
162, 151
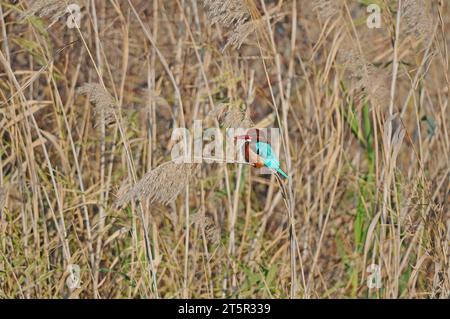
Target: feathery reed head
327, 8
231, 116
236, 15
207, 223
229, 13
241, 33
212, 232
370, 80
105, 104
3, 196
163, 184
416, 18
53, 9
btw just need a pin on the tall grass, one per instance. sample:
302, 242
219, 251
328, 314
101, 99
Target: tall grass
87, 115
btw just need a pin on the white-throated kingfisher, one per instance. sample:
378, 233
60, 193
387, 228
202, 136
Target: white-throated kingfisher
258, 151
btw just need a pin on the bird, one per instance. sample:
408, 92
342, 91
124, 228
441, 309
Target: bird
258, 151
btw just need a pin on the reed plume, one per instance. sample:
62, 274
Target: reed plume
53, 9
369, 79
241, 33
240, 16
436, 240
207, 223
416, 19
3, 197
231, 116
163, 184
327, 9
228, 13
105, 104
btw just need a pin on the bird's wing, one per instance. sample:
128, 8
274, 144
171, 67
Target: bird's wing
265, 151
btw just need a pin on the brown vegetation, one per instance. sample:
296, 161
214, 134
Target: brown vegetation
86, 176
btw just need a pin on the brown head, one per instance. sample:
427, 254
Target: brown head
253, 135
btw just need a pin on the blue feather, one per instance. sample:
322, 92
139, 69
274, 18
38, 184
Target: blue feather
270, 160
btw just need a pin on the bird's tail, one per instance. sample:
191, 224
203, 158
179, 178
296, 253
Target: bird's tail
280, 171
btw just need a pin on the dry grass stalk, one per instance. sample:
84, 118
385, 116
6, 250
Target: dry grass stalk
241, 33
105, 104
163, 184
337, 195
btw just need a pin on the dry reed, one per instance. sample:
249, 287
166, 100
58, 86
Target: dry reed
52, 9
163, 184
105, 105
366, 187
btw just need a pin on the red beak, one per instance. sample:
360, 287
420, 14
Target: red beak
242, 137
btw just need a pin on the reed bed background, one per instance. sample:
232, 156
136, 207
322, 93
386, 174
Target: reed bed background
86, 119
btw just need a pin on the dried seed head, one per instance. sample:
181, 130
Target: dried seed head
233, 14
207, 223
416, 18
53, 9
228, 13
212, 232
370, 80
327, 8
163, 184
242, 32
231, 116
3, 197
104, 103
